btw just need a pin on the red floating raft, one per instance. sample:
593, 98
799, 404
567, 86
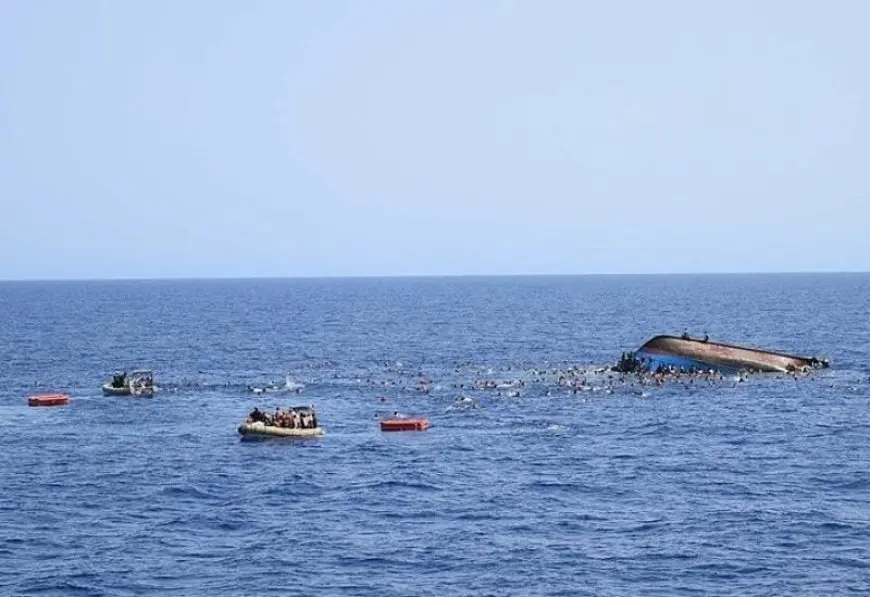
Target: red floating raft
404, 425
48, 400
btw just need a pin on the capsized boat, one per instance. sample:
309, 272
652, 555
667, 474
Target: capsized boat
692, 354
138, 383
294, 421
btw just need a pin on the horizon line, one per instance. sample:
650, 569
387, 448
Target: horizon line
419, 276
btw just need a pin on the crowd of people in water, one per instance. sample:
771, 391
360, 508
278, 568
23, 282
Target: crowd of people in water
289, 419
465, 382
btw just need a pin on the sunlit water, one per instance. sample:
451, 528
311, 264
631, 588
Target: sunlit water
753, 488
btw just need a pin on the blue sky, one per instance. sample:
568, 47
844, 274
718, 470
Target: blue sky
210, 138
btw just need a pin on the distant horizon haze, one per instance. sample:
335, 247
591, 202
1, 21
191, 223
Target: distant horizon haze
300, 139
439, 276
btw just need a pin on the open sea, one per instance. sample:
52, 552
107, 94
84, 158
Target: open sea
734, 488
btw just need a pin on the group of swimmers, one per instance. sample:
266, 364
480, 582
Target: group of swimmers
289, 419
633, 373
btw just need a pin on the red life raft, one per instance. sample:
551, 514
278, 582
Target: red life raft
404, 425
48, 400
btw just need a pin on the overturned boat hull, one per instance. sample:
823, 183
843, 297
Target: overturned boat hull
692, 354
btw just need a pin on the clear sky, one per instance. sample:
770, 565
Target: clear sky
366, 137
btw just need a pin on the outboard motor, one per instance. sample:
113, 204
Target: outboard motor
821, 363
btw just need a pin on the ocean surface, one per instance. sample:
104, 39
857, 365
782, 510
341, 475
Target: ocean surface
734, 488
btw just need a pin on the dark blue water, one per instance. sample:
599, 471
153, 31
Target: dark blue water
729, 488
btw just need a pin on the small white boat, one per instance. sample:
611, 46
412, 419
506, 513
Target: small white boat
137, 383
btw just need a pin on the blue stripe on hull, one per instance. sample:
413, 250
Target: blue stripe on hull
654, 361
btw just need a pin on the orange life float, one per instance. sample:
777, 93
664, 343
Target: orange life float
48, 400
404, 425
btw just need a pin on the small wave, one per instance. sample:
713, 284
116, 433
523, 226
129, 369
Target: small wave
850, 563
835, 526
60, 587
295, 488
846, 484
647, 526
557, 486
187, 492
393, 484
478, 516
